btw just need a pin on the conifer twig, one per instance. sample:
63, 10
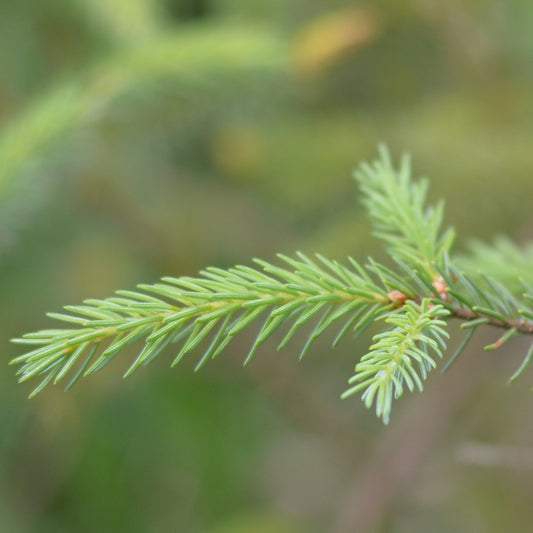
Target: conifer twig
413, 301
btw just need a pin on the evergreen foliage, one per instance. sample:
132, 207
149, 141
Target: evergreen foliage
397, 353
413, 300
502, 260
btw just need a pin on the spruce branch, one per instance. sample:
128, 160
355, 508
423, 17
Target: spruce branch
502, 260
414, 299
400, 356
188, 309
397, 209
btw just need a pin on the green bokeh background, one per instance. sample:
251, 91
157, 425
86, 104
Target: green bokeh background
143, 138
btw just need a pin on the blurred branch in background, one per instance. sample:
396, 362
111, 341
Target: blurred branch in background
194, 55
196, 59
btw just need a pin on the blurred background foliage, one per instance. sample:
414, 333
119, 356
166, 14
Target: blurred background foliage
142, 138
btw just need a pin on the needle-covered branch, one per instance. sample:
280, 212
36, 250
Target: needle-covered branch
396, 205
414, 296
219, 304
400, 356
